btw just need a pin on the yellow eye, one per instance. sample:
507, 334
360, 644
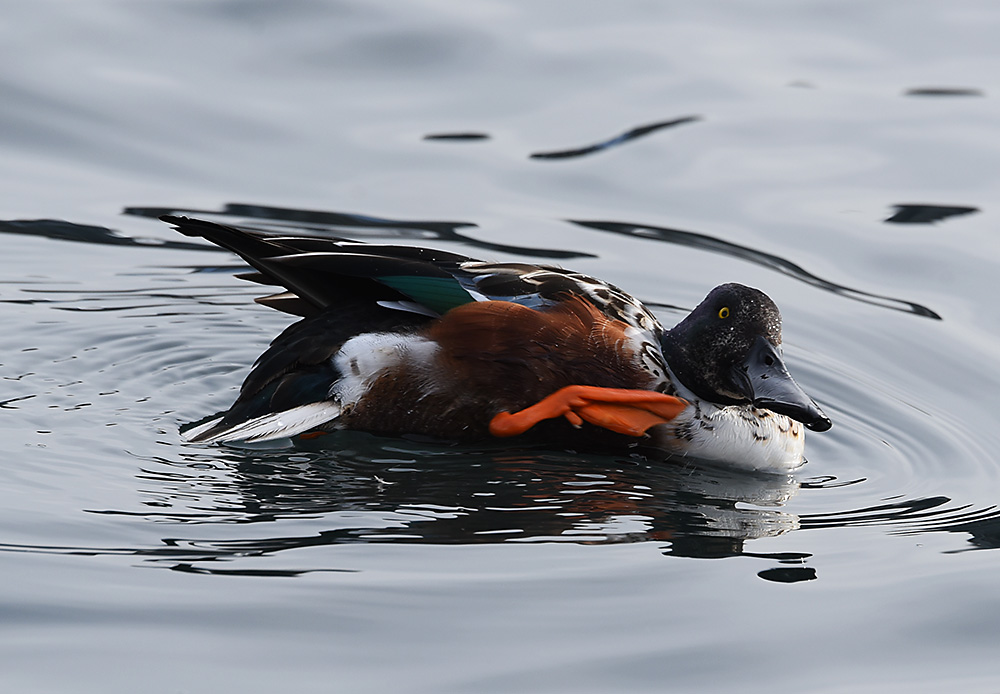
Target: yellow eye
724, 312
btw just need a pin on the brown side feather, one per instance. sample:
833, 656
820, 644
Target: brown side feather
499, 356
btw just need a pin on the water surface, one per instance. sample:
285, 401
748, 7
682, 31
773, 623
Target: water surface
840, 156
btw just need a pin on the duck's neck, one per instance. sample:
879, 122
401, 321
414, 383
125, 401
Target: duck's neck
685, 373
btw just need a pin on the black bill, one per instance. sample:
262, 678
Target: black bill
767, 383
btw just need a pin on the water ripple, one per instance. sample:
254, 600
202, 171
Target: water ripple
627, 136
457, 137
333, 224
927, 214
768, 260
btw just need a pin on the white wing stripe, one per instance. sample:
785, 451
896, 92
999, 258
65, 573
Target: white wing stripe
275, 425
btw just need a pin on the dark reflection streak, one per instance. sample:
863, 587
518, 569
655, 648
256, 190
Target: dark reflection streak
129, 307
773, 262
985, 532
317, 220
788, 574
781, 557
106, 551
632, 134
321, 222
153, 292
84, 233
933, 521
6, 404
926, 214
943, 91
457, 137
829, 482
918, 514
297, 220
280, 573
919, 517
172, 553
900, 511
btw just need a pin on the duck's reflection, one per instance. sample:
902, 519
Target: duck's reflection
371, 489
377, 490
374, 490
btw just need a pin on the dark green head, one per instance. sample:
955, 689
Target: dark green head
728, 351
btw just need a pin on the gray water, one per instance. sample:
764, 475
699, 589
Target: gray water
842, 156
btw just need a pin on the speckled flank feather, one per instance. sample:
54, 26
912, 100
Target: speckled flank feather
531, 285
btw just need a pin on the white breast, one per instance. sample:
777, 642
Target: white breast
740, 436
737, 435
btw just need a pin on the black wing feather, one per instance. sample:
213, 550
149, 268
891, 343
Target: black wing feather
322, 272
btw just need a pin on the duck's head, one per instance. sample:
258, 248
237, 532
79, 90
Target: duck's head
728, 351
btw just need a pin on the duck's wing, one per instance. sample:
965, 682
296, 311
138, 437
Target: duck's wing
321, 272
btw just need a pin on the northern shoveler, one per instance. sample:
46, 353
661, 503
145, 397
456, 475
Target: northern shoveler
401, 340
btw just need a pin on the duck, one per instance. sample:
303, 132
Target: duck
407, 341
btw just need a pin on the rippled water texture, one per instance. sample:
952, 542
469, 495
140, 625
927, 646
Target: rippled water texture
840, 156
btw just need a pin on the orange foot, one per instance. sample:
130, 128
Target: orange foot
629, 412
310, 435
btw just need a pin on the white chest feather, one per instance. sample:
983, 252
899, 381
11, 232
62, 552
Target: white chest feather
740, 436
